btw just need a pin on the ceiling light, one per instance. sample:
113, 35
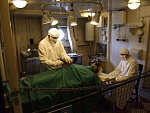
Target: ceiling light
53, 21
85, 11
95, 19
72, 18
134, 4
73, 23
87, 14
48, 18
45, 19
19, 3
93, 23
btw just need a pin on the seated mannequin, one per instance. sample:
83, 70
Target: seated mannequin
127, 68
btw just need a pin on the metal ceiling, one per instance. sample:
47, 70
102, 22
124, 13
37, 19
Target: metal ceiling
120, 4
34, 6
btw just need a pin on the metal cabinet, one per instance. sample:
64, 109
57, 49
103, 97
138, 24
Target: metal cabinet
30, 66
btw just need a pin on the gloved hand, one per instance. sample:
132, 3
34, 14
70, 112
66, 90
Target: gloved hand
121, 78
58, 63
68, 60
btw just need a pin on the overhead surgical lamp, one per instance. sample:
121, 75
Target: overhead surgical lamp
73, 23
53, 21
45, 19
134, 4
95, 18
48, 18
72, 18
20, 3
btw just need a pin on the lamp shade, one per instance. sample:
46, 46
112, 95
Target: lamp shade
73, 23
72, 17
53, 21
95, 19
19, 3
93, 23
134, 4
48, 18
45, 19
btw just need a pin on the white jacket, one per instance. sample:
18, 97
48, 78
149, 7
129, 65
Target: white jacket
50, 52
125, 70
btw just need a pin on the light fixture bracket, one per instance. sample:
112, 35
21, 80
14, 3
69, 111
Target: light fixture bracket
71, 13
61, 2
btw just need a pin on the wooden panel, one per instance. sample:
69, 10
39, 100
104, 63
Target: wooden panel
21, 32
35, 29
26, 28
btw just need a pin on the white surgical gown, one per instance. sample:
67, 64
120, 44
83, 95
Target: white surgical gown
125, 70
50, 52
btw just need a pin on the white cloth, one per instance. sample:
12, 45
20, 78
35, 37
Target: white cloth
125, 70
50, 52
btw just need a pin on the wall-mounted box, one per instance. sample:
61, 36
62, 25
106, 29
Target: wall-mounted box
119, 17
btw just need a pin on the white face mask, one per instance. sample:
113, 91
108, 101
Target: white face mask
123, 57
53, 40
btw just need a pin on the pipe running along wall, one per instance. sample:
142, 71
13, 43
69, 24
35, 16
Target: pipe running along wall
71, 39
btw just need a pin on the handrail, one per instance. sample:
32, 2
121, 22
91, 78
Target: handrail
95, 93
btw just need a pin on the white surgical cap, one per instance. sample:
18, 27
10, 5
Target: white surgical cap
124, 51
54, 32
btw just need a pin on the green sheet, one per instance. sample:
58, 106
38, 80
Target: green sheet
66, 77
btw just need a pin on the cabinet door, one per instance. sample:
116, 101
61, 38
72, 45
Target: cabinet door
36, 66
28, 66
32, 66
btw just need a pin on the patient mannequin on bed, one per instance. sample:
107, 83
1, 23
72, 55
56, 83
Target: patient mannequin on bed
96, 65
99, 70
68, 76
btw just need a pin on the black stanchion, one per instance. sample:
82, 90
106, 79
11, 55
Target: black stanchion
2, 102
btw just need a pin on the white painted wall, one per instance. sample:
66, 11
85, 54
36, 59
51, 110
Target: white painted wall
116, 46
